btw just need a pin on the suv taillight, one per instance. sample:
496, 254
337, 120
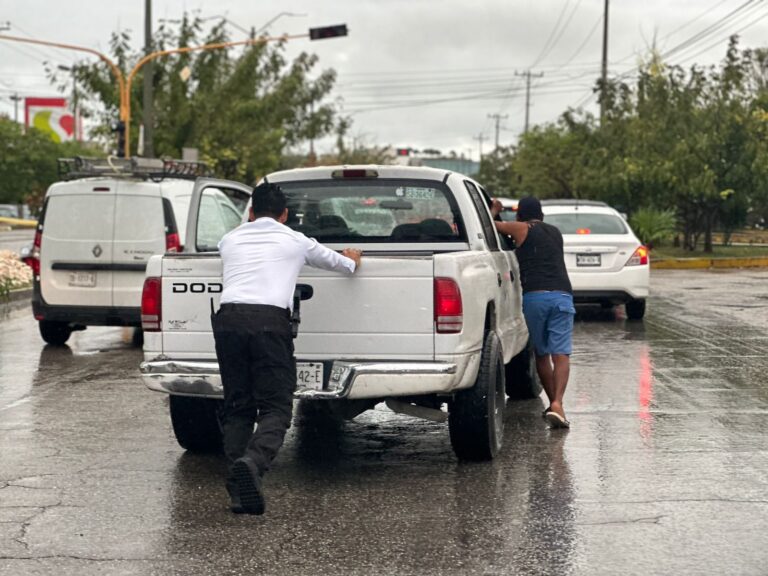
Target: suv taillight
172, 240
449, 314
151, 304
639, 258
172, 243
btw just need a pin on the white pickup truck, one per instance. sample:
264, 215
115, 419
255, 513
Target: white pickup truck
431, 324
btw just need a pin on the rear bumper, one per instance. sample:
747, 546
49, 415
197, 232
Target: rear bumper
86, 315
629, 283
348, 380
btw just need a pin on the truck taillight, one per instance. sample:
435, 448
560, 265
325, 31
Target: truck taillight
151, 304
449, 314
172, 243
639, 258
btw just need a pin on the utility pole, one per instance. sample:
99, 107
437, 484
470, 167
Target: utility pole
149, 120
528, 76
498, 118
604, 75
480, 138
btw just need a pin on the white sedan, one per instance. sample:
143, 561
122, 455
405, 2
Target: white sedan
606, 262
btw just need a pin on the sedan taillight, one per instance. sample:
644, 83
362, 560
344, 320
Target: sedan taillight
151, 304
639, 258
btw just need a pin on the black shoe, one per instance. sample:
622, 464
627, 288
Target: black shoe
234, 501
248, 485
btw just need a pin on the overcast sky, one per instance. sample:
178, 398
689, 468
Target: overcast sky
419, 73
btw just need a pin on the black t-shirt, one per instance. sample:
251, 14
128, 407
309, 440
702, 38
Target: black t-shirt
542, 265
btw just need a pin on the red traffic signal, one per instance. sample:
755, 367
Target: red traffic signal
327, 32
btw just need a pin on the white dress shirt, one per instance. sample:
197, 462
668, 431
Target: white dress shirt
262, 259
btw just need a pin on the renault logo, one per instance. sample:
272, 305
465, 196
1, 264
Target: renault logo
97, 251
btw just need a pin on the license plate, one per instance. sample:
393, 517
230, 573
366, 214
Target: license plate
309, 375
587, 259
82, 279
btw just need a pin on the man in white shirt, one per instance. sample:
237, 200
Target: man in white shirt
261, 261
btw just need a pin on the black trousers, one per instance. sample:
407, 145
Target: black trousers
254, 347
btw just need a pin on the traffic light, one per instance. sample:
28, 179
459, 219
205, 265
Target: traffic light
327, 32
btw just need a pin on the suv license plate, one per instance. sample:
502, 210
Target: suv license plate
82, 279
587, 259
309, 375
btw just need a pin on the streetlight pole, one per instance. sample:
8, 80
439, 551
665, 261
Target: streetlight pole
155, 55
112, 66
253, 32
148, 100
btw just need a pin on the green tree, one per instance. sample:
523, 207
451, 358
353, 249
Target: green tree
28, 162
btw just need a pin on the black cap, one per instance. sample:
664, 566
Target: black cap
529, 208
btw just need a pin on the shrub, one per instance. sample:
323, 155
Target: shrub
653, 226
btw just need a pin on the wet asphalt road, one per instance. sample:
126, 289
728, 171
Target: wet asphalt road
665, 470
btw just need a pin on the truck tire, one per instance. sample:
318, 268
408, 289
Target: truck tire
55, 333
476, 415
521, 376
635, 309
195, 424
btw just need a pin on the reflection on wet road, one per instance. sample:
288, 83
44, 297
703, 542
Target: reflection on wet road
664, 470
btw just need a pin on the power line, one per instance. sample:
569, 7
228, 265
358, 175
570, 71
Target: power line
748, 6
551, 34
693, 40
739, 31
560, 34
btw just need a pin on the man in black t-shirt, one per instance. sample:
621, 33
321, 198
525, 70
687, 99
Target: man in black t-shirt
547, 299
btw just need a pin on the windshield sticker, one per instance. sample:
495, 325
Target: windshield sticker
399, 192
420, 193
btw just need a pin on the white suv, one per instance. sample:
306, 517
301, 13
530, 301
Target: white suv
94, 237
606, 262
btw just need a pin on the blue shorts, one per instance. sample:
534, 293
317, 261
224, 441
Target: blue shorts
549, 316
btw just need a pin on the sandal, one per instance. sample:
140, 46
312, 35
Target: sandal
556, 421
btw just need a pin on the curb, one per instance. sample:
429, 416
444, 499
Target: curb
17, 222
706, 263
17, 299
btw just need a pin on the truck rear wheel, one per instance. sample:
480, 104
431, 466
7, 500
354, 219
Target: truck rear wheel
522, 379
476, 415
55, 333
195, 423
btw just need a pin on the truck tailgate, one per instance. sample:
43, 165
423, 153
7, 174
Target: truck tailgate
383, 311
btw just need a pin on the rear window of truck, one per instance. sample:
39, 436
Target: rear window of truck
382, 211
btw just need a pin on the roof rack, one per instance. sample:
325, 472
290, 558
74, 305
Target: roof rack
155, 169
573, 202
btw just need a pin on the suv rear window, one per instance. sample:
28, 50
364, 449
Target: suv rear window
388, 211
585, 223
